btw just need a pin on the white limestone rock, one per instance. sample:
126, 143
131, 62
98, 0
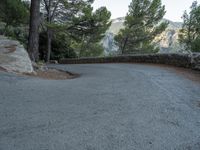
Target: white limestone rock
13, 56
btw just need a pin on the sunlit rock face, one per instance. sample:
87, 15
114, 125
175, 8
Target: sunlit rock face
109, 44
13, 56
167, 41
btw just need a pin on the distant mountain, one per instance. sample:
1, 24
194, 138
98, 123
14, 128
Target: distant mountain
116, 25
167, 41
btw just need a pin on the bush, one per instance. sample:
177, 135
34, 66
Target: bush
195, 46
60, 47
88, 49
19, 33
92, 50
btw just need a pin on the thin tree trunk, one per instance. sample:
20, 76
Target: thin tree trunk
49, 40
5, 29
49, 35
124, 45
82, 46
33, 43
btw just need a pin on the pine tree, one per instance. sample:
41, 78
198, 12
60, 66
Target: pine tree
77, 20
33, 43
190, 33
13, 13
58, 12
142, 25
90, 29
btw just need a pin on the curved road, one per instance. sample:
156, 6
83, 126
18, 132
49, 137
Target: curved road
109, 107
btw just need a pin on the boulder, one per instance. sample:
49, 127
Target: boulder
13, 57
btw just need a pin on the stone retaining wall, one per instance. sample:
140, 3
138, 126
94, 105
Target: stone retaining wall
179, 60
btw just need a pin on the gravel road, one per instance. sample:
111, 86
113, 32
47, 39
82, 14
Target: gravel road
109, 107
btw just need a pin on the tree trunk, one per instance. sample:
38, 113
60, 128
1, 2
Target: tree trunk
5, 29
49, 33
33, 43
49, 40
124, 45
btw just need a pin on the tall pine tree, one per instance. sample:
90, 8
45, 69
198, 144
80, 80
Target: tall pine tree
190, 33
142, 25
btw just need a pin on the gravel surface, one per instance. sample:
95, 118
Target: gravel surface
109, 107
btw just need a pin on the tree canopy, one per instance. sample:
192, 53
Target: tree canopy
13, 12
190, 33
142, 25
76, 18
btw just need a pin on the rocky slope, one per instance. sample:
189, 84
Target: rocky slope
109, 44
13, 57
167, 41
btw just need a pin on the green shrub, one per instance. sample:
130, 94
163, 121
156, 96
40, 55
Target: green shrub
60, 47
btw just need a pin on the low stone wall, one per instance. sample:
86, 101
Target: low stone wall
195, 61
179, 60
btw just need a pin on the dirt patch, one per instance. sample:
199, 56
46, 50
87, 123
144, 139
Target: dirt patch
53, 74
2, 69
48, 74
185, 72
188, 73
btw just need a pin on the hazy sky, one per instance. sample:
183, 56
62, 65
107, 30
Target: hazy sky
119, 8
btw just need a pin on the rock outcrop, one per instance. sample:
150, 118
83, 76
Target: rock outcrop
13, 57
